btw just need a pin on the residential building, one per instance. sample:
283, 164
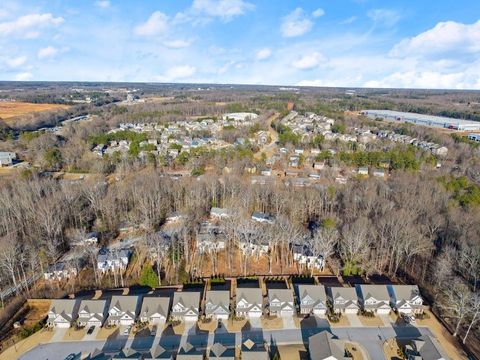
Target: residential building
304, 256
219, 213
323, 346
123, 310
374, 298
425, 348
362, 171
312, 299
186, 306
406, 299
249, 302
62, 312
217, 304
280, 302
92, 313
60, 271
343, 300
262, 217
6, 158
113, 260
154, 309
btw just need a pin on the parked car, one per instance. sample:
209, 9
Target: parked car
127, 330
90, 329
154, 330
71, 356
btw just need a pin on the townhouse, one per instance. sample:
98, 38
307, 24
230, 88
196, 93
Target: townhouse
280, 302
406, 299
123, 310
154, 309
249, 302
323, 346
217, 304
312, 299
92, 313
62, 313
343, 300
374, 298
186, 306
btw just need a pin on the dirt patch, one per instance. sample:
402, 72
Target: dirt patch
208, 326
391, 349
355, 351
236, 325
179, 329
74, 334
105, 333
10, 110
38, 311
292, 352
13, 352
272, 323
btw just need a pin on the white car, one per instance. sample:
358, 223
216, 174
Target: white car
127, 330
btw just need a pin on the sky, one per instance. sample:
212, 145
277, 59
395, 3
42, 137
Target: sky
347, 43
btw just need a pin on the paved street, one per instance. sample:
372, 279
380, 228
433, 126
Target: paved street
371, 338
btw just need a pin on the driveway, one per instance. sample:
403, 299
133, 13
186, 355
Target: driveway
256, 323
386, 320
288, 322
93, 335
58, 334
188, 332
354, 320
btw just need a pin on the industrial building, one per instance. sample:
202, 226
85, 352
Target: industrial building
422, 119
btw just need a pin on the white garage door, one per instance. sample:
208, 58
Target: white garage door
126, 322
319, 312
383, 311
191, 318
286, 313
255, 314
351, 311
62, 325
222, 316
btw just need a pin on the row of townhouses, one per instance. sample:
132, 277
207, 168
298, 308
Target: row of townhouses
185, 305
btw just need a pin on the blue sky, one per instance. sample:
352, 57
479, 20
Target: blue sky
412, 44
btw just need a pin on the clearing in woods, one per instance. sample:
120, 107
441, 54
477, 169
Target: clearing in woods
13, 109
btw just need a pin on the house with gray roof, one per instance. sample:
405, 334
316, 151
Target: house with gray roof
249, 302
217, 304
154, 309
252, 351
62, 312
158, 352
92, 313
406, 299
220, 352
312, 299
123, 310
219, 213
374, 298
425, 347
323, 346
186, 306
343, 300
280, 302
6, 158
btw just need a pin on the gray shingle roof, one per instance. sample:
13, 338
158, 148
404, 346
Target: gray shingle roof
322, 346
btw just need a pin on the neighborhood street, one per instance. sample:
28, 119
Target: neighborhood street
370, 338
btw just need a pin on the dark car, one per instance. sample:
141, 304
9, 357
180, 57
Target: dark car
90, 330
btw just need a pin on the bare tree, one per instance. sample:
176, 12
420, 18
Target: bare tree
457, 302
475, 314
8, 257
157, 244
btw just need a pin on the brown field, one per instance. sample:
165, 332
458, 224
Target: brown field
13, 109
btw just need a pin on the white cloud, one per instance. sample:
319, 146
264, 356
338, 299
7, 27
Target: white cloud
446, 40
16, 61
28, 25
177, 43
157, 24
309, 61
295, 24
224, 9
318, 13
348, 21
177, 73
3, 13
386, 17
263, 54
25, 76
103, 4
47, 52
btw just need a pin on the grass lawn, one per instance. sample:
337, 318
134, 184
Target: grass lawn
208, 326
390, 348
104, 333
272, 323
234, 325
73, 334
342, 323
41, 337
371, 321
355, 351
293, 352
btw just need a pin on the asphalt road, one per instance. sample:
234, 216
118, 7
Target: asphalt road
371, 338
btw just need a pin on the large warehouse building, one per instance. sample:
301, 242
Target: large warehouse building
421, 119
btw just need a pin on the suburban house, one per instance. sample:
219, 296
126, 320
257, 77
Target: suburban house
113, 260
92, 313
406, 299
220, 352
426, 348
362, 171
219, 213
60, 271
217, 304
249, 302
158, 352
252, 351
262, 217
123, 310
209, 238
91, 239
304, 257
374, 298
323, 346
62, 313
6, 158
280, 302
154, 309
189, 352
312, 299
343, 300
186, 306
251, 248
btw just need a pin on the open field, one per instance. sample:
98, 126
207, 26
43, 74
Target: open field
10, 110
